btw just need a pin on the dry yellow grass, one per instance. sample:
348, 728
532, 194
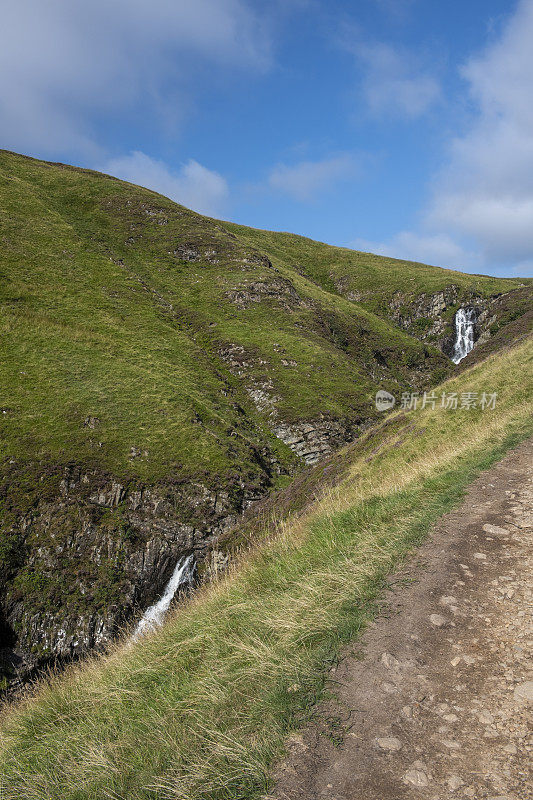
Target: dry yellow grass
200, 709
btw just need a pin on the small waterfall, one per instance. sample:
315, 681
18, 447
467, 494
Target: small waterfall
154, 616
465, 320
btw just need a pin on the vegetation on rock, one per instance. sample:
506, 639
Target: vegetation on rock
161, 371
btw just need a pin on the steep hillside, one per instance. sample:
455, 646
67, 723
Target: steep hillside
419, 298
200, 709
161, 372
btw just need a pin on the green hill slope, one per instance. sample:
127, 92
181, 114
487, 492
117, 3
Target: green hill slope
375, 279
419, 298
200, 709
111, 291
160, 371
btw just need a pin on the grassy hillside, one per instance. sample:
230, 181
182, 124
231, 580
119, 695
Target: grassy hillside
150, 360
420, 299
111, 293
200, 709
367, 278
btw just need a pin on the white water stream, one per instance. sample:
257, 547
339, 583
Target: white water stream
465, 319
155, 614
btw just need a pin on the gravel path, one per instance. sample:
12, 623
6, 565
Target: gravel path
436, 700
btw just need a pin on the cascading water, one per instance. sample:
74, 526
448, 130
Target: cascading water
154, 616
465, 319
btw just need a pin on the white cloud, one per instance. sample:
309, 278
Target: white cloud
393, 82
64, 62
193, 185
480, 214
438, 249
306, 180
486, 190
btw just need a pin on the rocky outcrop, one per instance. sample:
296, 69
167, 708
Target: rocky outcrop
92, 557
425, 315
430, 317
316, 439
210, 249
507, 319
500, 318
279, 291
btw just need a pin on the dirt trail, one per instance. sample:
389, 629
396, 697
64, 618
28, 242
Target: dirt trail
436, 700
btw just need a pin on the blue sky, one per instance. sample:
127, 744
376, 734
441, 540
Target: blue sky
403, 127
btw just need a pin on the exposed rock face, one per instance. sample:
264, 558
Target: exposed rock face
483, 324
189, 252
311, 441
499, 319
431, 316
426, 307
280, 291
98, 553
209, 249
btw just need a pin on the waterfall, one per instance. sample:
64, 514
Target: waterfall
153, 616
465, 320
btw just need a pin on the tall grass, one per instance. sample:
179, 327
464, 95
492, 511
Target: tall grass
200, 709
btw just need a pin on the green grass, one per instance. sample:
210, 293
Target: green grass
99, 313
101, 318
103, 321
83, 338
201, 708
373, 279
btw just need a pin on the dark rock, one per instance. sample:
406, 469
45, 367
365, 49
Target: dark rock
96, 554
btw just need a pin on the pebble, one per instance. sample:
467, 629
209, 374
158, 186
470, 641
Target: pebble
454, 782
389, 743
451, 745
524, 692
437, 620
467, 659
416, 775
447, 600
389, 661
500, 797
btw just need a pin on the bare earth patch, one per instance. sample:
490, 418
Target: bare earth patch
436, 699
